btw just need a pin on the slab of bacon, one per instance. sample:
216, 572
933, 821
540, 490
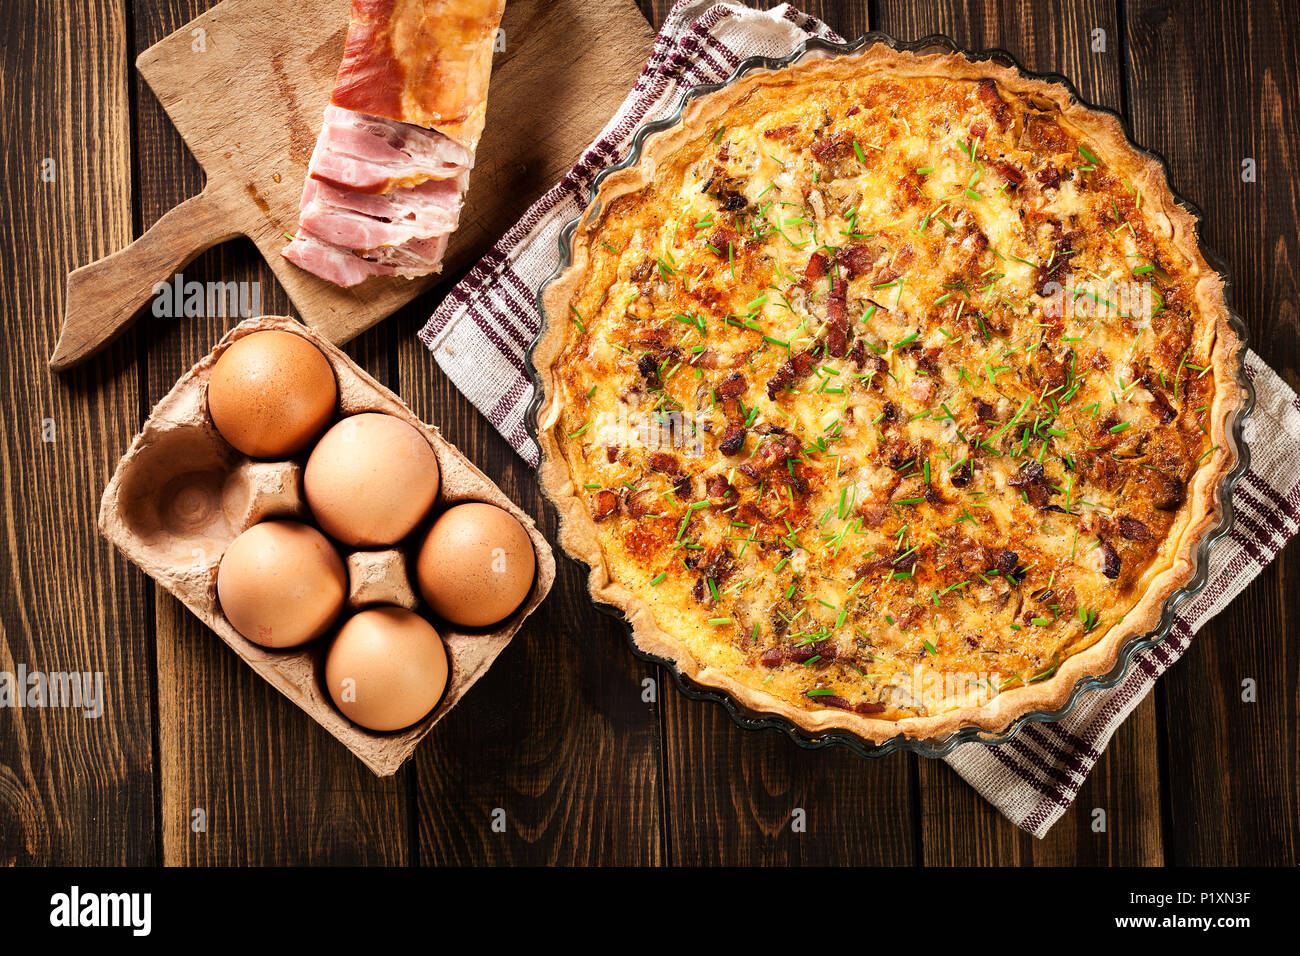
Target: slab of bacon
391, 165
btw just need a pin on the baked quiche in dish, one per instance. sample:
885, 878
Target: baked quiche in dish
887, 393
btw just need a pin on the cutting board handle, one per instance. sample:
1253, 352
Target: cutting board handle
105, 296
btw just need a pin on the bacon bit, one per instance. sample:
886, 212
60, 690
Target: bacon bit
829, 147
719, 489
909, 617
1134, 530
1032, 480
853, 111
856, 260
909, 189
642, 272
826, 650
979, 130
837, 329
771, 451
1109, 561
780, 132
901, 454
1066, 602
1164, 411
611, 453
726, 189
897, 266
1043, 134
1031, 472
1011, 174
988, 94
869, 707
858, 354
873, 516
1049, 176
721, 239
904, 560
929, 360
648, 368
1059, 273
733, 440
700, 592
816, 269
663, 463
720, 566
603, 505
983, 410
1169, 493
732, 386
772, 657
1040, 497
639, 503
796, 367
962, 476
832, 700
1006, 561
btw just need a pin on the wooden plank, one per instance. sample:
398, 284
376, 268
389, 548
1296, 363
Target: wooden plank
556, 736
73, 790
959, 827
1211, 85
273, 786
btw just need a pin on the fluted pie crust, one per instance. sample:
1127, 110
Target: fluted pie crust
1173, 563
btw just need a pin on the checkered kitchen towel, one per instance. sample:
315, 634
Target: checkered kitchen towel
480, 331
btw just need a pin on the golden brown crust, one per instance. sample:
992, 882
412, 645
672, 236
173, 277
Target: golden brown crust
578, 530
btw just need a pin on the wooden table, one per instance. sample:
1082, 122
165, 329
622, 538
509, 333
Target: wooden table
558, 735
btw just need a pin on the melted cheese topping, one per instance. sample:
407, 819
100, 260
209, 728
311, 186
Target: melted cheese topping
886, 396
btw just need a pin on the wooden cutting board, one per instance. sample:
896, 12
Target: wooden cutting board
246, 85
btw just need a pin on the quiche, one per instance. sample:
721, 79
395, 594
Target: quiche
887, 393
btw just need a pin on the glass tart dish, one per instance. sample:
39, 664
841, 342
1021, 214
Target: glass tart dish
889, 395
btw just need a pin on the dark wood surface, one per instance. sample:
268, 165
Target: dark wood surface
558, 735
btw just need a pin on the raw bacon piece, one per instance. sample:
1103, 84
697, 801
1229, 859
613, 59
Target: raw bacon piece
374, 155
347, 267
363, 221
391, 165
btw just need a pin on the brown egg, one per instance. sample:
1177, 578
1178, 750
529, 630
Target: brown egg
371, 479
476, 564
386, 669
271, 393
281, 583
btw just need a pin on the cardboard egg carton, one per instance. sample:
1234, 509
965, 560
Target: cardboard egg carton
181, 494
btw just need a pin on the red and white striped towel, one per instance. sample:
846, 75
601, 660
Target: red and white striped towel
481, 330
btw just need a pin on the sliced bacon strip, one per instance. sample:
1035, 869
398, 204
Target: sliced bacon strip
988, 94
374, 155
362, 221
